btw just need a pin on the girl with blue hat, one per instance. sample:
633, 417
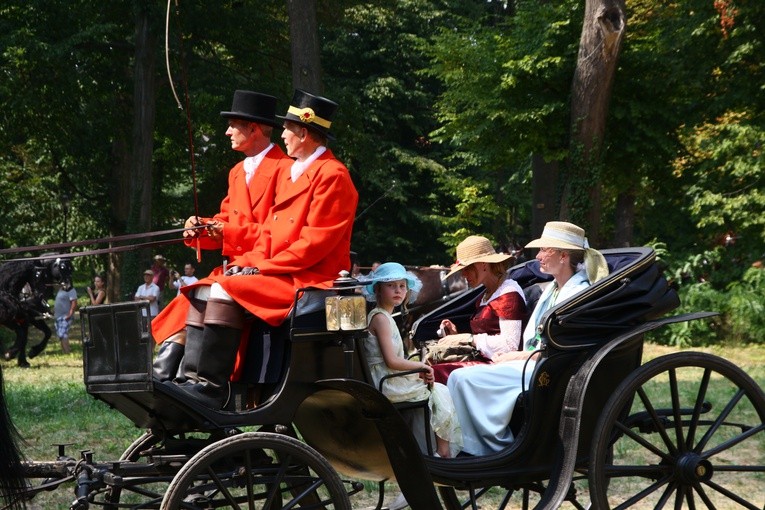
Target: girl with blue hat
391, 285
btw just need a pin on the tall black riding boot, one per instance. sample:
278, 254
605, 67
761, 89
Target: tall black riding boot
216, 354
169, 357
194, 325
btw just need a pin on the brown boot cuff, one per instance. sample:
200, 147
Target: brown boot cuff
196, 314
224, 313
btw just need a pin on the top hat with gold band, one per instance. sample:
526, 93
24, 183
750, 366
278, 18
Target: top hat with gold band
313, 112
253, 106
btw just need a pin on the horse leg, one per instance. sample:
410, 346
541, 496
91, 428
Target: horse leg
22, 336
43, 327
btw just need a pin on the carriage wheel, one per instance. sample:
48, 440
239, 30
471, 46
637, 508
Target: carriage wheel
501, 498
113, 495
257, 470
682, 431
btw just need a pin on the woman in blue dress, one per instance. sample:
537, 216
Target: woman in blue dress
485, 395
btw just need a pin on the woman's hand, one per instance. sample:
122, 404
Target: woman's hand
448, 327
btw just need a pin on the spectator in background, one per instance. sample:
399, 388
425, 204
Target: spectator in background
160, 273
149, 291
63, 312
187, 279
97, 293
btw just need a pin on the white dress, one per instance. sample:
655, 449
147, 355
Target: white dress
443, 417
485, 395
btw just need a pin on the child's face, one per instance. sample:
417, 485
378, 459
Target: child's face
393, 293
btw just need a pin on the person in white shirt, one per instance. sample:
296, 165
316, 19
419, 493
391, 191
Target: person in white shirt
187, 279
149, 291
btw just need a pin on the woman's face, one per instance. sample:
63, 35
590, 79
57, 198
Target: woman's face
98, 282
476, 274
551, 261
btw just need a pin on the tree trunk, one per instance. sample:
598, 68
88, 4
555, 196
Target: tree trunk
544, 183
625, 219
599, 47
133, 170
304, 41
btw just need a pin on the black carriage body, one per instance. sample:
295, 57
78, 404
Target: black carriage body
591, 343
319, 390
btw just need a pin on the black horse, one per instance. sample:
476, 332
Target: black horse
12, 483
25, 287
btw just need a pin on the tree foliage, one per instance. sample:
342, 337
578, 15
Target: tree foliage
445, 108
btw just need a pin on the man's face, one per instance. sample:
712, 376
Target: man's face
242, 134
188, 270
294, 137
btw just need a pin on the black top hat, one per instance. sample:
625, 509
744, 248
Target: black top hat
253, 106
313, 112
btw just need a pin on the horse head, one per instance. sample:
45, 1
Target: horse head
50, 272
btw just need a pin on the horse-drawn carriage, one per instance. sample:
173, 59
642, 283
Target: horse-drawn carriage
596, 427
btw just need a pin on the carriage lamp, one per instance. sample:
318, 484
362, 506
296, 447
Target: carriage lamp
347, 311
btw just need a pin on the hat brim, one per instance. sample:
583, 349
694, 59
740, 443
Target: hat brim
251, 118
548, 242
490, 259
297, 120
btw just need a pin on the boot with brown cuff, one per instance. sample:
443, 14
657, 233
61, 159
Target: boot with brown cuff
211, 353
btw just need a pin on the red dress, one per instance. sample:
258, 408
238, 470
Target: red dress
509, 305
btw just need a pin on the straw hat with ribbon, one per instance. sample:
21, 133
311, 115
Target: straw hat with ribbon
562, 235
390, 272
475, 249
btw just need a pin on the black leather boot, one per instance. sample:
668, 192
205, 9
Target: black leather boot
168, 360
208, 363
194, 325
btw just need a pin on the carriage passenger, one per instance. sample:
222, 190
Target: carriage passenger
390, 285
495, 328
305, 242
485, 395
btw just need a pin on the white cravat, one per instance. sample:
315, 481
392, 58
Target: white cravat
298, 167
251, 163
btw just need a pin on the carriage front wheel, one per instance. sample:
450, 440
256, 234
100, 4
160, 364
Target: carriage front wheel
257, 470
682, 431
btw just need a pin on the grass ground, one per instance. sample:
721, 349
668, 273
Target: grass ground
50, 407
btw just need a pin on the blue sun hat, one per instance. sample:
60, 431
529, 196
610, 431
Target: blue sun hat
390, 272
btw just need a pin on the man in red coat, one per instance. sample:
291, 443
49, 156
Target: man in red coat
305, 242
236, 228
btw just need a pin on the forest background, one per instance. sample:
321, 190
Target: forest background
455, 118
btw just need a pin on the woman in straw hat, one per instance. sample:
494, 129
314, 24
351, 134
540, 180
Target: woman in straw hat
485, 395
391, 285
496, 325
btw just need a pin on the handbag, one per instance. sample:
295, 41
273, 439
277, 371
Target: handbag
452, 349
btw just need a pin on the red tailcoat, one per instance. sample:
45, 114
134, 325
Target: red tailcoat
306, 240
243, 212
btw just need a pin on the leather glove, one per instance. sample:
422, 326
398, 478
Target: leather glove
215, 230
241, 271
193, 221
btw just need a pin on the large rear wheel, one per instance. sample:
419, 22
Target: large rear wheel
682, 431
257, 470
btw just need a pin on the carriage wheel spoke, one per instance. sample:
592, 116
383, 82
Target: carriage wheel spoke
730, 443
221, 487
679, 440
719, 421
642, 442
657, 422
728, 494
700, 399
642, 494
